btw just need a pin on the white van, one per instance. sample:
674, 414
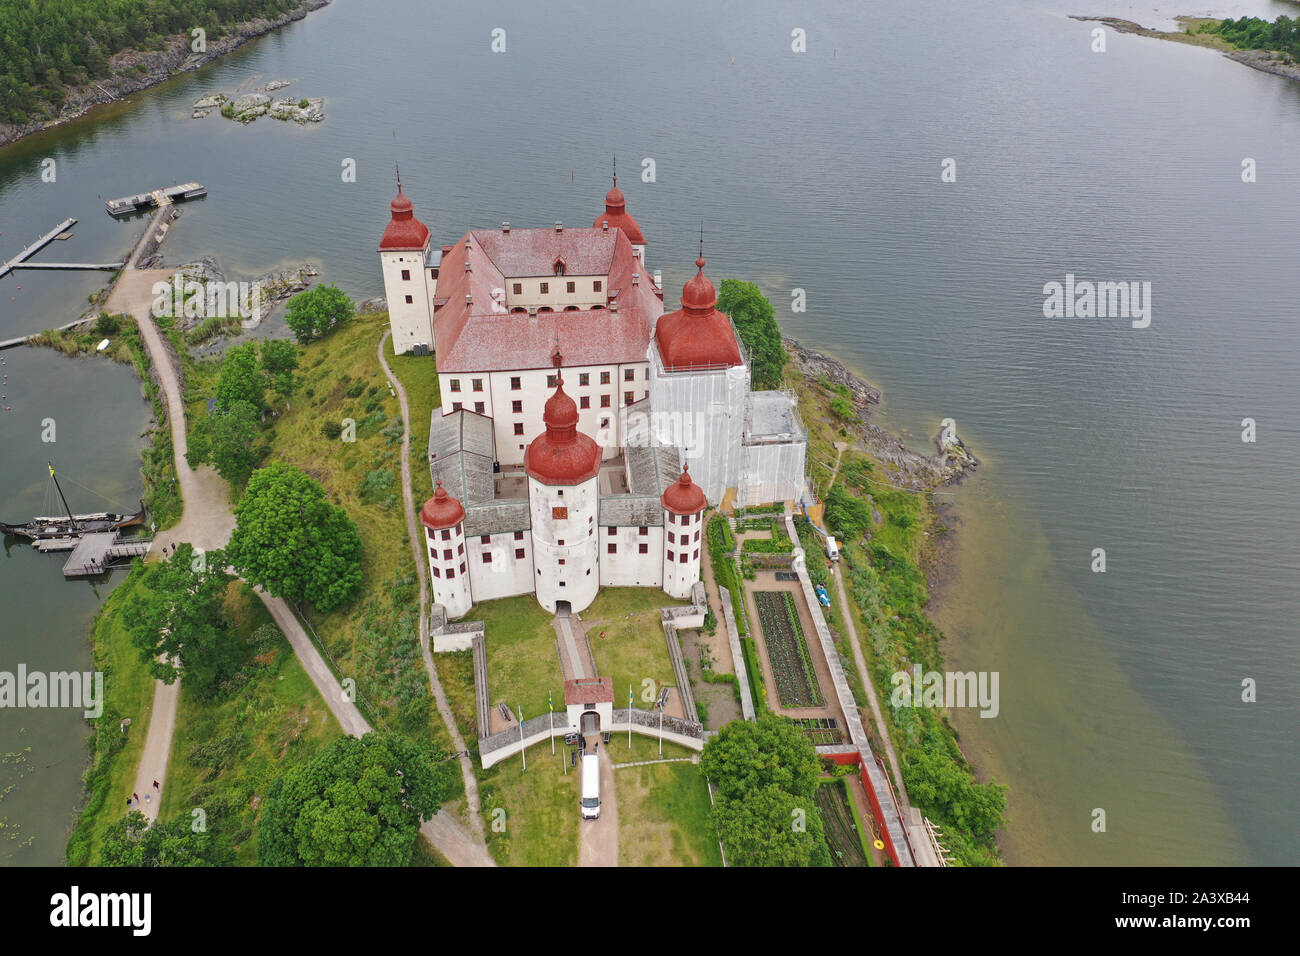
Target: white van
832, 549
590, 787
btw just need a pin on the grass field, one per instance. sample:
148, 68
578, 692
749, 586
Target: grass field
539, 825
843, 829
522, 662
633, 649
664, 814
226, 754
419, 376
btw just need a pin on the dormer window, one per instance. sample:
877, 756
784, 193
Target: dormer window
558, 265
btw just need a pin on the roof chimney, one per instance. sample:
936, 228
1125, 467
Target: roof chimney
505, 227
613, 306
559, 226
469, 298
659, 278
636, 277
468, 267
605, 225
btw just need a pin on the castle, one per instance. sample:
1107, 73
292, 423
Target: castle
583, 431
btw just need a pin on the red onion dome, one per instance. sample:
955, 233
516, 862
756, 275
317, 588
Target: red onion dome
617, 216
442, 510
697, 335
684, 496
404, 231
562, 455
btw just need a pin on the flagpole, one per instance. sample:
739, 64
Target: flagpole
629, 716
522, 750
550, 710
661, 728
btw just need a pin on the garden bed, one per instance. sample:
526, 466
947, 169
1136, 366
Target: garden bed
787, 649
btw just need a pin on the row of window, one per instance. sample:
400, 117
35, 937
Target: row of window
685, 538
451, 572
584, 401
517, 288
684, 519
516, 381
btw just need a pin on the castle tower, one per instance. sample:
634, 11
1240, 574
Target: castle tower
617, 216
443, 518
684, 504
409, 277
563, 466
699, 380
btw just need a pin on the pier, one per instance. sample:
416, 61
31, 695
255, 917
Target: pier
55, 233
155, 198
93, 554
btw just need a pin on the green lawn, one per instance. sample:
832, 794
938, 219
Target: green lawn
664, 816
522, 661
539, 826
419, 376
227, 753
128, 691
633, 649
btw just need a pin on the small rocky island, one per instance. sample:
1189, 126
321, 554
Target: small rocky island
247, 107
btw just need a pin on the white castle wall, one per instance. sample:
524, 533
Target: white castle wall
578, 578
448, 570
628, 567
773, 472
412, 323
679, 576
703, 414
495, 571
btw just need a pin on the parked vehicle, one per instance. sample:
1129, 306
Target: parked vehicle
590, 787
832, 549
822, 597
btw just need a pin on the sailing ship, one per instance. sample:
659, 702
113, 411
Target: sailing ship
70, 525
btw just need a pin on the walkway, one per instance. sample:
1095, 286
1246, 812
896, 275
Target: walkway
416, 535
598, 839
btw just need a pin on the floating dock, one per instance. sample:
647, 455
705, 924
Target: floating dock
56, 233
157, 198
93, 554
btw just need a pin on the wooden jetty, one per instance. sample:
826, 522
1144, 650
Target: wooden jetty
93, 554
37, 246
157, 197
86, 266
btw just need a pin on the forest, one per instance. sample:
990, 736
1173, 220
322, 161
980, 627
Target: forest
1252, 33
47, 46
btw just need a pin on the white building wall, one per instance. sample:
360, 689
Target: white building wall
502, 574
773, 472
499, 396
627, 566
448, 570
557, 295
703, 415
578, 578
678, 576
412, 323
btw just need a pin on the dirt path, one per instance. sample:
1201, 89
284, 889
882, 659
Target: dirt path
870, 689
417, 549
598, 839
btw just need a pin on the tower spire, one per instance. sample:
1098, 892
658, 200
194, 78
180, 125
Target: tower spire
399, 175
701, 238
615, 169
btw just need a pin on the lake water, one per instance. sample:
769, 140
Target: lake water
821, 171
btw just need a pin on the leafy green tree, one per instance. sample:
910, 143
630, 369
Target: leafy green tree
936, 781
357, 802
843, 409
108, 324
227, 440
291, 541
755, 321
279, 356
747, 754
241, 379
178, 621
767, 826
846, 516
317, 312
131, 841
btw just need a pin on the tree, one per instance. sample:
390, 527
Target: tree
279, 356
843, 409
177, 620
131, 841
755, 321
769, 827
289, 540
241, 380
226, 439
747, 754
107, 324
317, 312
357, 802
935, 780
845, 515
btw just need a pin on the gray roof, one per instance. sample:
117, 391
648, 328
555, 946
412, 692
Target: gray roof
498, 518
461, 453
772, 414
631, 511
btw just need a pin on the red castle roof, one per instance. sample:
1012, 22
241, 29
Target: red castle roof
697, 335
684, 496
404, 231
442, 510
617, 216
562, 455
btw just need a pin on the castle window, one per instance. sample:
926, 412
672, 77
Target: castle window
515, 384
683, 559
485, 539
460, 549
406, 275
560, 513
437, 573
560, 542
517, 407
604, 401
478, 407
584, 401
670, 556
584, 378
595, 286
409, 300
519, 554
560, 492
456, 406
642, 530
476, 384
671, 539
433, 553
612, 548
696, 538
519, 428
629, 374
545, 308
455, 385
570, 287
647, 372
550, 381
627, 398
446, 554
446, 535
561, 584
519, 536
462, 567
604, 423
487, 557
644, 548
546, 288
517, 288
604, 378
561, 560
450, 574
697, 552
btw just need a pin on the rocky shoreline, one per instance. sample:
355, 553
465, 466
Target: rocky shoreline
133, 70
914, 471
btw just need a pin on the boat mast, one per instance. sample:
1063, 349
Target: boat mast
61, 498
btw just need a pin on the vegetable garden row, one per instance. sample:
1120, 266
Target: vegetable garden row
787, 649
